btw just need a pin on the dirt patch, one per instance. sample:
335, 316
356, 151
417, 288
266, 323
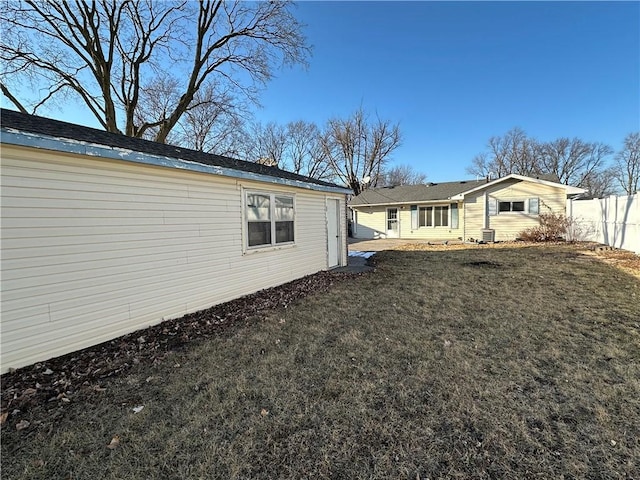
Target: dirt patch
483, 264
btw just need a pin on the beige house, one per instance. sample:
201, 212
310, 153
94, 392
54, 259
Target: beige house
104, 234
466, 210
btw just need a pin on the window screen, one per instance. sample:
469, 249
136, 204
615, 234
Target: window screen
259, 219
284, 219
270, 219
454, 215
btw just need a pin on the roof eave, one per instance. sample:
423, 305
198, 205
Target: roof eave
12, 136
569, 189
575, 190
407, 202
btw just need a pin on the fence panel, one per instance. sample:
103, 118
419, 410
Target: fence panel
613, 221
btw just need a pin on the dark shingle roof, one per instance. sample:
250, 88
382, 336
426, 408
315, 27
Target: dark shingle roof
55, 128
549, 177
415, 193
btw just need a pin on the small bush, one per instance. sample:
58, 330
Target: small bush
553, 227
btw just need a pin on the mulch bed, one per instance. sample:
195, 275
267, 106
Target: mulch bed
622, 259
57, 381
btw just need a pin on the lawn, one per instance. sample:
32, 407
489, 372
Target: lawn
485, 363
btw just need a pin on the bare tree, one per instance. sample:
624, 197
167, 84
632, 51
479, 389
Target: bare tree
402, 175
356, 147
576, 162
600, 183
627, 166
295, 147
305, 154
265, 144
514, 152
113, 54
212, 124
480, 165
571, 161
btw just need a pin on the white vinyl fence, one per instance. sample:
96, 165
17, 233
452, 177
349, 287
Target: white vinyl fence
613, 221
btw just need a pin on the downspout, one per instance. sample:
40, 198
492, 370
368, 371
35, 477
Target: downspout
462, 212
486, 210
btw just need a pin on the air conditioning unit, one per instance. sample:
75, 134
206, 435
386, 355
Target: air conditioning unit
488, 235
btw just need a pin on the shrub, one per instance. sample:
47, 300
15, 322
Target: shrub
553, 227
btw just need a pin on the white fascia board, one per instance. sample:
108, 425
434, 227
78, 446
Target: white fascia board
366, 205
575, 190
57, 144
569, 189
411, 202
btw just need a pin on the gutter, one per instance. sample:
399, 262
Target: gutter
409, 202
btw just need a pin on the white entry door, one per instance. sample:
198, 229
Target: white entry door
333, 232
392, 223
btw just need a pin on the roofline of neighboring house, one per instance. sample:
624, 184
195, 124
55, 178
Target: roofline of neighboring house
12, 136
570, 190
407, 202
460, 196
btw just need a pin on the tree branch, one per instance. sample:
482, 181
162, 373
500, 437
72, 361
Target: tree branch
12, 99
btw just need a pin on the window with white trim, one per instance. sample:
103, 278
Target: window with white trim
441, 216
454, 216
510, 206
433, 216
530, 206
425, 217
270, 219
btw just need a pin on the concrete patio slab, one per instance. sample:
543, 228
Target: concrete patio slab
377, 245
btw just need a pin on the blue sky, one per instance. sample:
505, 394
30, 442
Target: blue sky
454, 74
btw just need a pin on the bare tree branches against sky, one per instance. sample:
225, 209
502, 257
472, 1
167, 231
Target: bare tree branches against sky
568, 161
137, 67
451, 74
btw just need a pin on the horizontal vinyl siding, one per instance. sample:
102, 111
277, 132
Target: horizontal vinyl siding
509, 225
474, 216
93, 249
371, 223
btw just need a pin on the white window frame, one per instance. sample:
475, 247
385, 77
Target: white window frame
432, 215
511, 201
457, 210
272, 219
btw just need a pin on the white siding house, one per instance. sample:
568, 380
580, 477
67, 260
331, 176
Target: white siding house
103, 235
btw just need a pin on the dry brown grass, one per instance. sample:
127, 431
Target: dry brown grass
625, 260
478, 363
